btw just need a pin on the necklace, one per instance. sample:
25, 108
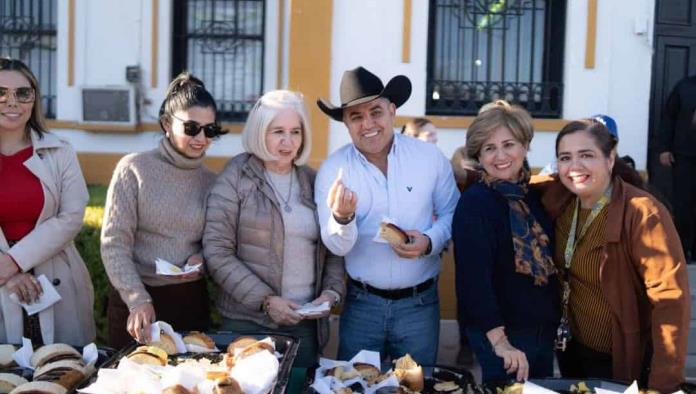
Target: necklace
284, 200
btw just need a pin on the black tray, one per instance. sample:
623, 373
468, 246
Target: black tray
105, 355
285, 345
432, 374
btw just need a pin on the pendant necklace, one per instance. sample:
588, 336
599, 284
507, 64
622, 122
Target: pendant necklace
284, 200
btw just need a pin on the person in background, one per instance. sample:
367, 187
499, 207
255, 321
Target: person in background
421, 128
507, 287
677, 147
626, 295
392, 304
155, 209
42, 201
261, 240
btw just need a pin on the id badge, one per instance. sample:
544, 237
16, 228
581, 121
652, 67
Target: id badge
562, 337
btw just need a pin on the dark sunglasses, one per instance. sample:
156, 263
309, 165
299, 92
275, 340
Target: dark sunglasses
192, 128
23, 95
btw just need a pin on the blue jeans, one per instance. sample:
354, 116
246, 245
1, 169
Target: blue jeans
391, 327
537, 345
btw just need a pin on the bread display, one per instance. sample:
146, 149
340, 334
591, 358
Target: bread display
39, 388
165, 343
8, 381
199, 339
54, 352
393, 234
255, 368
6, 352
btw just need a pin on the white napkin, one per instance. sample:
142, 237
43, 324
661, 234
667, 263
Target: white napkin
325, 384
531, 388
310, 309
256, 373
163, 267
90, 354
158, 326
23, 355
49, 297
632, 389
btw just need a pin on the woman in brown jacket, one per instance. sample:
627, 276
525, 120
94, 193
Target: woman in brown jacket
627, 290
261, 240
42, 201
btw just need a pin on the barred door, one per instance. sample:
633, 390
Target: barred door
222, 43
28, 33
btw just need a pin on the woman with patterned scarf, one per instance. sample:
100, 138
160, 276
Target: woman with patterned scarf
507, 287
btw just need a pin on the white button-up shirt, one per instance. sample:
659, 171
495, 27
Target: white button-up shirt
418, 193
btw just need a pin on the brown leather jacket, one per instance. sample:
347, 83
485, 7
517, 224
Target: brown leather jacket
644, 279
243, 242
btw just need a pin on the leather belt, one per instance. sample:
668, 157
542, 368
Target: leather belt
394, 294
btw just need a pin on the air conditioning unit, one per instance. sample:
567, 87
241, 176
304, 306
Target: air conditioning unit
113, 105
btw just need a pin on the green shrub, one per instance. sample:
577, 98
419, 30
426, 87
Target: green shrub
87, 242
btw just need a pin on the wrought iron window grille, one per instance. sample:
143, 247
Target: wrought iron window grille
484, 50
28, 33
222, 43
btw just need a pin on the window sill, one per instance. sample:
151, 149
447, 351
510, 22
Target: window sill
233, 128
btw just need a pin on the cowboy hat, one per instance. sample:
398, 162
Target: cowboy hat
360, 86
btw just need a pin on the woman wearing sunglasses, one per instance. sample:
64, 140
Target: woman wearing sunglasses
261, 238
42, 201
155, 209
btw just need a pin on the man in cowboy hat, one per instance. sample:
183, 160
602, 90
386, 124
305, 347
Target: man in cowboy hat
392, 304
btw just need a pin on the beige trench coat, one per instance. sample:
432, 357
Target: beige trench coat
49, 249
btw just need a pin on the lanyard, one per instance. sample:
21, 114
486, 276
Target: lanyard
571, 244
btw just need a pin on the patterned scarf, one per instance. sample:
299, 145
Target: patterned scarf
531, 244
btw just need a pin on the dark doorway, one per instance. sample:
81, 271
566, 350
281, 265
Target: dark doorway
674, 59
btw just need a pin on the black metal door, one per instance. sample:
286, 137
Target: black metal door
674, 59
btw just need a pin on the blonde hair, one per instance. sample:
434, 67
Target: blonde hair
262, 114
494, 115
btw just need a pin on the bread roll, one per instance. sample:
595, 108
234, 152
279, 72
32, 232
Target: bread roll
6, 352
8, 381
368, 371
393, 234
67, 373
149, 355
178, 389
199, 339
409, 373
39, 388
240, 343
228, 385
55, 352
165, 343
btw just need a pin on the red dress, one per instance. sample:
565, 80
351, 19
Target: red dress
21, 196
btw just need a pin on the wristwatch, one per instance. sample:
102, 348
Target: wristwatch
344, 221
429, 249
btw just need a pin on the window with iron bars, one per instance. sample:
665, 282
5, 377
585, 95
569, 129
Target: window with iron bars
28, 33
222, 43
484, 50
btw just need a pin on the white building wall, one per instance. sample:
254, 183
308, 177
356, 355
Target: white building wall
619, 85
112, 35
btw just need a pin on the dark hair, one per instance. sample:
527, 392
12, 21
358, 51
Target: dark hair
606, 142
184, 92
37, 121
